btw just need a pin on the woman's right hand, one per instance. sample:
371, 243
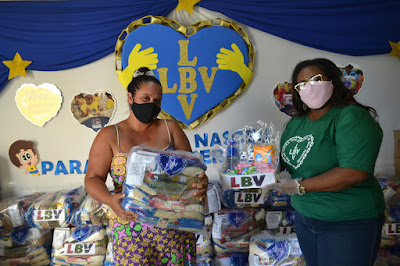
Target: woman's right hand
115, 203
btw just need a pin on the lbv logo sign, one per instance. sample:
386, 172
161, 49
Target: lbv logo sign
202, 68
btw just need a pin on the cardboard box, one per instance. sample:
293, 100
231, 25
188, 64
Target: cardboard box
397, 151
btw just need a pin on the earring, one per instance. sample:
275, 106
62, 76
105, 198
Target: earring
304, 107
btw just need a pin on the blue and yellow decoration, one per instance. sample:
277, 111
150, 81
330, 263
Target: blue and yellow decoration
202, 68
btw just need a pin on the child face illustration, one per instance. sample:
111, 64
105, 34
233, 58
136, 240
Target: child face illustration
27, 158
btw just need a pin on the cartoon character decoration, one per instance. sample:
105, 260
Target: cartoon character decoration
202, 68
23, 155
93, 110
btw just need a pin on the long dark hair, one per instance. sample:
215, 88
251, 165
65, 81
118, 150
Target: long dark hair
144, 76
341, 96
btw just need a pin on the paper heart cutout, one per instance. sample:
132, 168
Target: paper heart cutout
93, 110
194, 88
38, 104
297, 148
170, 164
278, 250
20, 235
237, 218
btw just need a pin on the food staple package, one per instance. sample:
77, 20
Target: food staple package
232, 229
91, 212
279, 249
85, 245
12, 210
54, 209
158, 188
26, 246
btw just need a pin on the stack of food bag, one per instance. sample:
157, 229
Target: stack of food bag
250, 159
159, 188
85, 245
26, 246
54, 209
19, 244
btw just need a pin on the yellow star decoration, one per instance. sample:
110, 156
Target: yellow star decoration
17, 66
187, 5
395, 49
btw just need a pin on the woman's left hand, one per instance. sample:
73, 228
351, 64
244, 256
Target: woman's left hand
202, 192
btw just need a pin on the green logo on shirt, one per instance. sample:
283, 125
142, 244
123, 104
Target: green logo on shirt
295, 150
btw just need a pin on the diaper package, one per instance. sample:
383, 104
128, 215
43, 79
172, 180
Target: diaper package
12, 210
85, 245
159, 188
54, 209
26, 246
279, 249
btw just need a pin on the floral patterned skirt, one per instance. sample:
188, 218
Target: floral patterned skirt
140, 244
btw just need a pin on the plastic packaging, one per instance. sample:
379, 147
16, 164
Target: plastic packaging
26, 246
12, 210
54, 209
232, 157
268, 249
85, 245
91, 212
159, 188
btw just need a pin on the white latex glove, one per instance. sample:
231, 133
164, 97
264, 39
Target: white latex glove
286, 184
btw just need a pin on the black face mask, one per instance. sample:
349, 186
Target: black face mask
145, 112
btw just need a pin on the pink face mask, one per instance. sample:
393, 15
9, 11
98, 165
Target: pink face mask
315, 95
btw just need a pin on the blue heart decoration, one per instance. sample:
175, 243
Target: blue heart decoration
20, 235
170, 164
279, 250
202, 50
237, 217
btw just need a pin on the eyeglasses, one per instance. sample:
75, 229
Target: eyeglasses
299, 86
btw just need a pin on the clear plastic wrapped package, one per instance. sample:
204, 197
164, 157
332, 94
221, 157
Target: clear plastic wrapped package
159, 188
12, 210
91, 212
251, 157
86, 245
278, 249
54, 209
233, 228
26, 246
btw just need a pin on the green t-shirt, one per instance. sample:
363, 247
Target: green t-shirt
346, 137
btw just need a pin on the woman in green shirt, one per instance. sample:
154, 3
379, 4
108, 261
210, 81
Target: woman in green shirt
330, 148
